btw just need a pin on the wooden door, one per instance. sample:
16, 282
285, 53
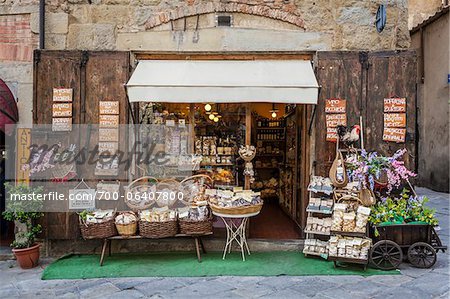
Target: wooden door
93, 76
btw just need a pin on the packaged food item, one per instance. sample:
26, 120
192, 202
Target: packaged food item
125, 218
349, 222
338, 216
99, 216
362, 216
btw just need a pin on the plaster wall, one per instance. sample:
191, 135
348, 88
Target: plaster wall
433, 103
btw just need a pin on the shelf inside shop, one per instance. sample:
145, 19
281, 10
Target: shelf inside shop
216, 164
317, 233
319, 211
270, 128
349, 234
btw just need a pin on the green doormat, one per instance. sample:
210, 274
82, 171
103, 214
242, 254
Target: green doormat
179, 264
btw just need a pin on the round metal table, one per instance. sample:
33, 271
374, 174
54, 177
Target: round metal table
235, 226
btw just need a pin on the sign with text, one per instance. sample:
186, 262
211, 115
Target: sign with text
62, 124
109, 107
334, 120
107, 134
109, 121
394, 135
62, 109
81, 199
332, 134
395, 105
111, 147
335, 106
62, 94
395, 120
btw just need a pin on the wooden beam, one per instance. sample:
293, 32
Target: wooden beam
223, 56
248, 136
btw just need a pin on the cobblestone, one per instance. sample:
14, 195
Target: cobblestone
412, 283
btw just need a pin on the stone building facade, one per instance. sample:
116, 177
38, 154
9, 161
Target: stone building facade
190, 25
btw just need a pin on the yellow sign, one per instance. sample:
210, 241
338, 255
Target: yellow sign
23, 155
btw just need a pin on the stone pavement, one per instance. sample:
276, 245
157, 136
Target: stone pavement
413, 283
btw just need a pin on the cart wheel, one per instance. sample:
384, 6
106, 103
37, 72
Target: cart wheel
386, 255
422, 255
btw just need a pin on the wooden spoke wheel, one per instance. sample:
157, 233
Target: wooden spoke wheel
386, 255
422, 255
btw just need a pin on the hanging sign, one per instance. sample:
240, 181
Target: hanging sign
332, 134
62, 94
109, 107
334, 120
81, 199
395, 120
23, 155
109, 121
394, 135
62, 109
335, 106
395, 105
62, 124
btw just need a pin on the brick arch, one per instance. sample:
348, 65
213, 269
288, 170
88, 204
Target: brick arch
285, 12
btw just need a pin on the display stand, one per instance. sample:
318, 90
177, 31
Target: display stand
236, 231
323, 214
197, 240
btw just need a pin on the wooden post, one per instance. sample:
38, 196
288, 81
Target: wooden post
248, 137
192, 128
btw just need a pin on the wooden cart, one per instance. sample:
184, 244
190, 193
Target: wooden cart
418, 242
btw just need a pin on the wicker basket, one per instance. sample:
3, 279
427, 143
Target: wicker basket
237, 210
156, 230
98, 230
190, 227
127, 229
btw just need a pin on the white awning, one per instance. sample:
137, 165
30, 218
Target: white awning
223, 81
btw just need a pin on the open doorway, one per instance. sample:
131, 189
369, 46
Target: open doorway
219, 130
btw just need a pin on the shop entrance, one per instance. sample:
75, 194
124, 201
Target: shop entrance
220, 129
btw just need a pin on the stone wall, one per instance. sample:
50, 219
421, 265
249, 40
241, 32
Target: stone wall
315, 24
189, 25
17, 42
420, 10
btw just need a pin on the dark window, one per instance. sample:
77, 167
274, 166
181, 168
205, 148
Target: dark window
223, 21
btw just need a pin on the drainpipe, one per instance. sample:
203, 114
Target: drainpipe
41, 24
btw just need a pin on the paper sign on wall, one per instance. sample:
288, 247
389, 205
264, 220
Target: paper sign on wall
334, 120
107, 134
394, 135
62, 109
395, 105
335, 106
332, 134
395, 120
109, 107
109, 121
62, 124
62, 94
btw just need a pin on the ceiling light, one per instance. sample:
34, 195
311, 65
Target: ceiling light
216, 119
274, 114
211, 116
208, 107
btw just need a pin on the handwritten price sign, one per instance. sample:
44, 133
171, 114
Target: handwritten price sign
394, 135
335, 106
395, 105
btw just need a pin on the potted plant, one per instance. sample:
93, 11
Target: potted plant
24, 213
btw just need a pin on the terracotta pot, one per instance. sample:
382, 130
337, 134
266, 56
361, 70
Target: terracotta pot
27, 258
